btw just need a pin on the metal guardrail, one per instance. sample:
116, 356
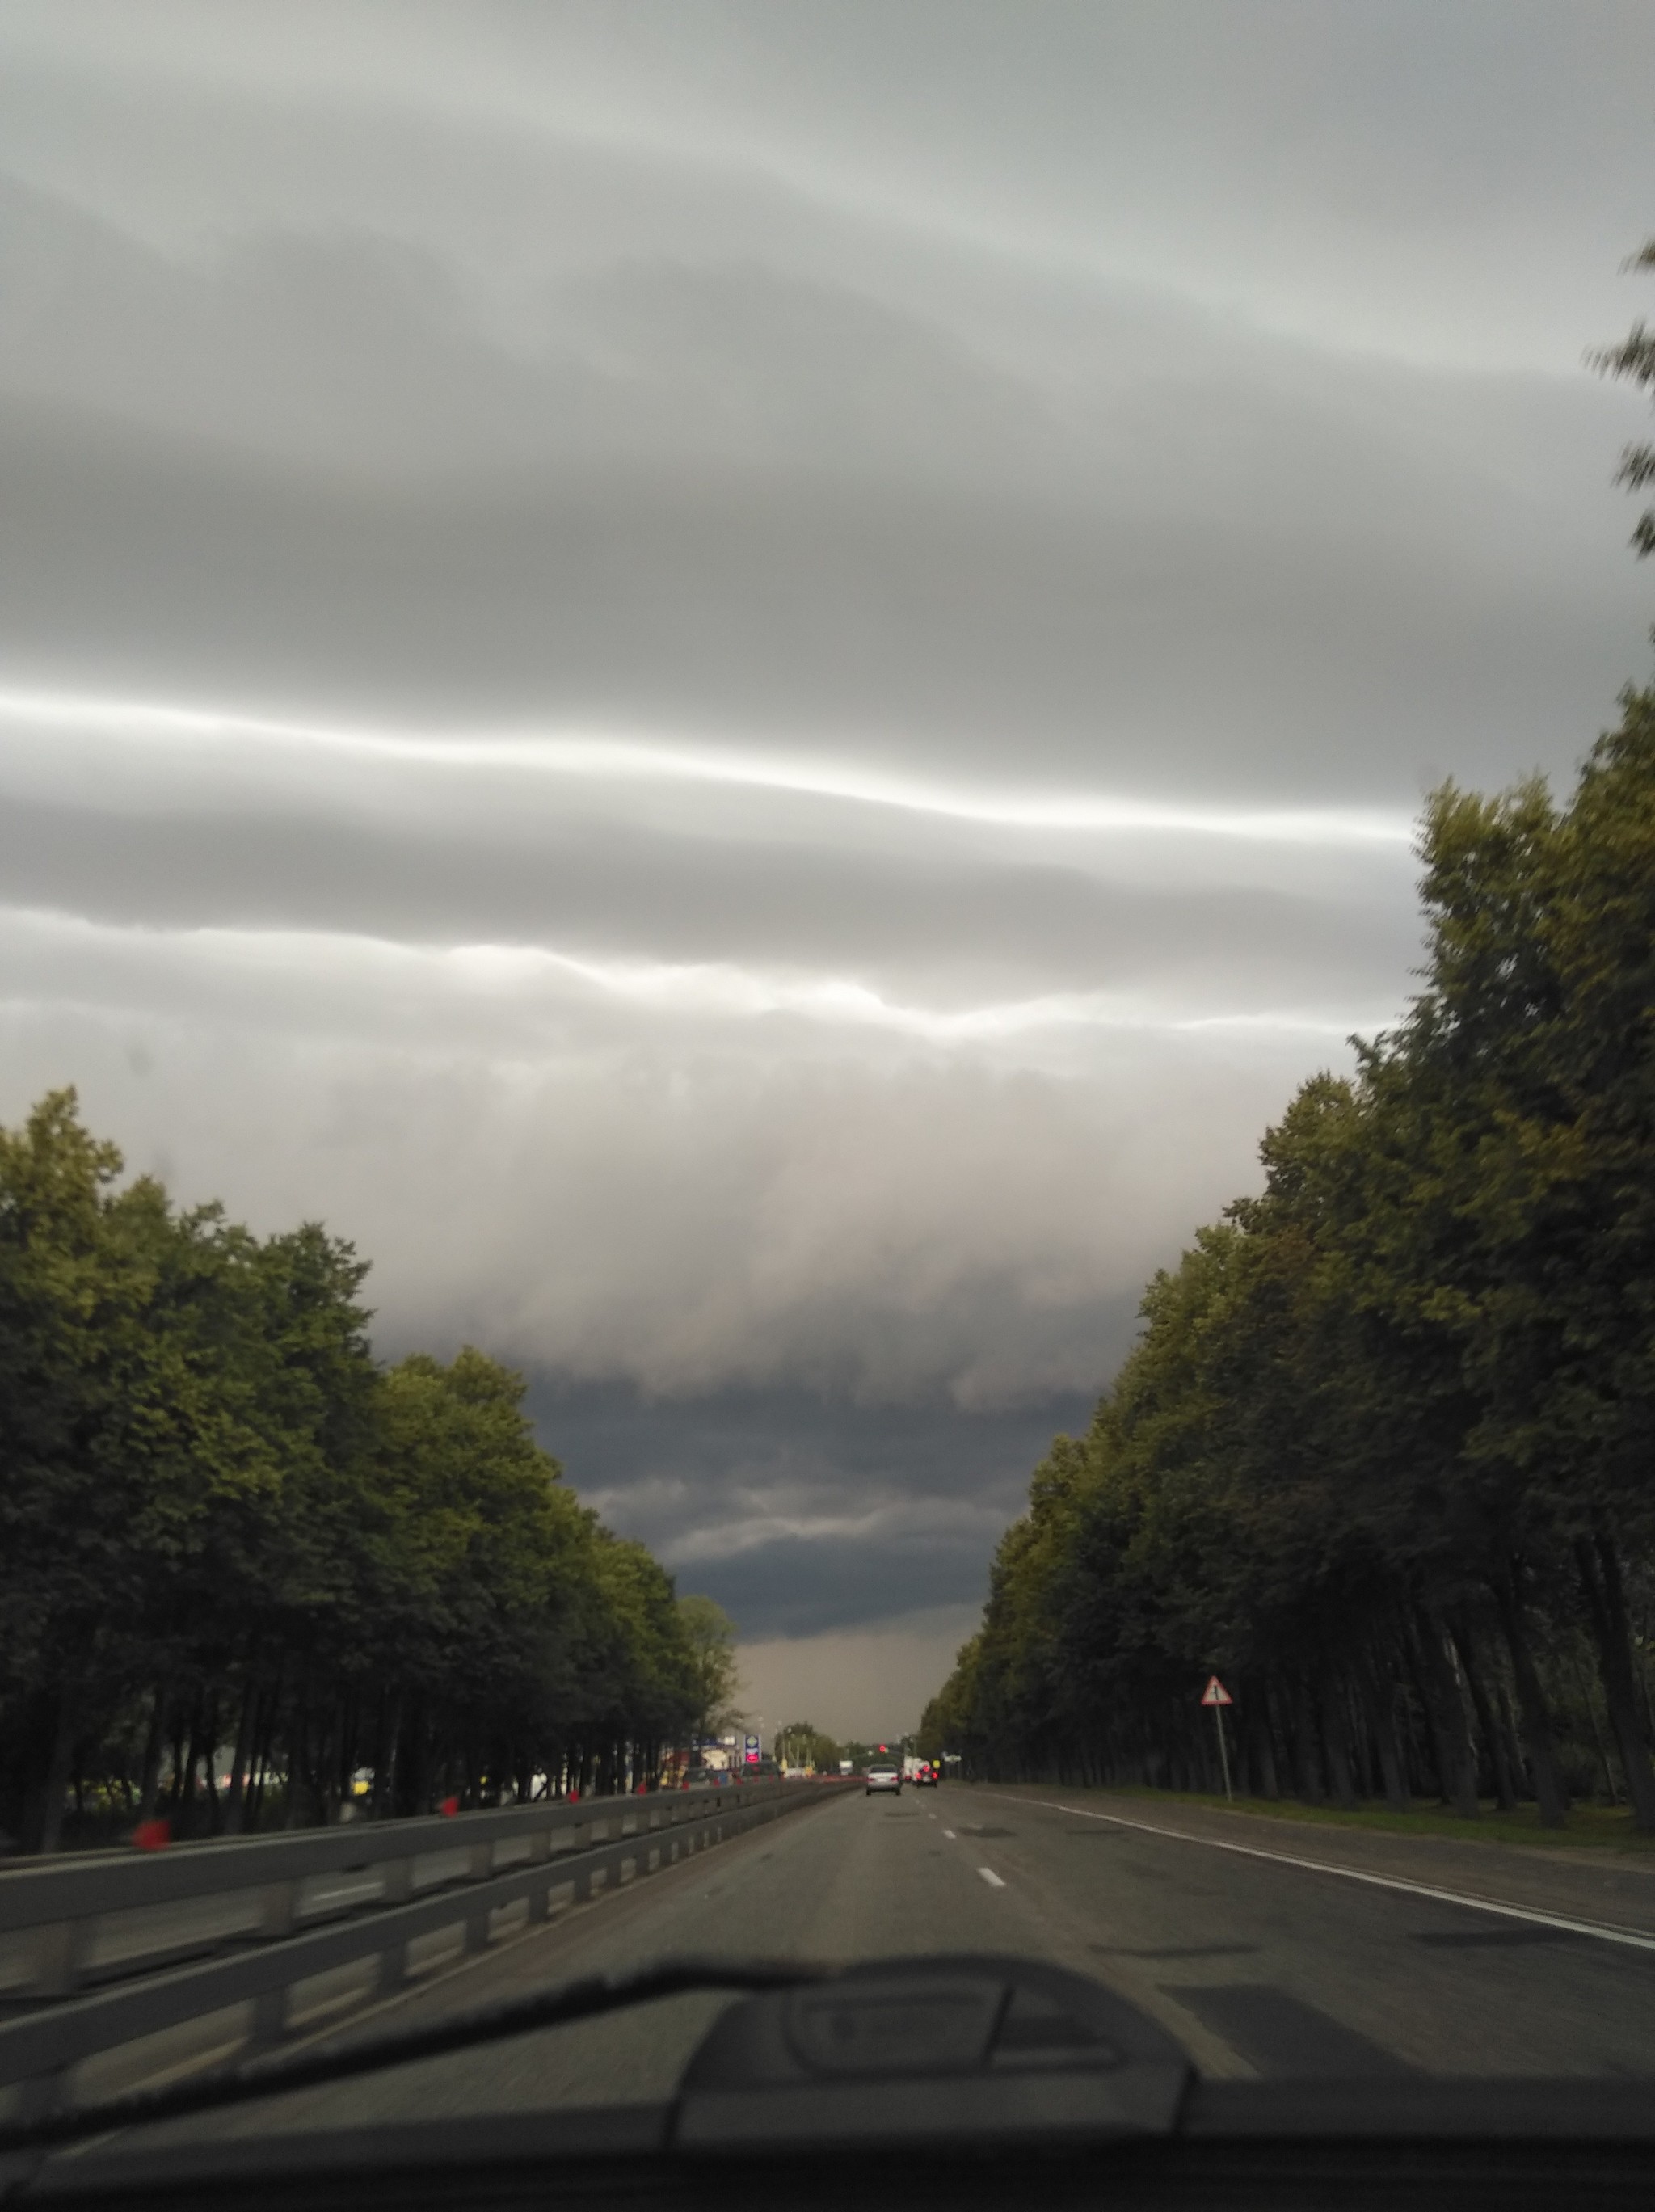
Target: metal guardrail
71, 1895
282, 1927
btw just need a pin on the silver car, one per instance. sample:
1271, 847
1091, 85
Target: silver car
883, 1776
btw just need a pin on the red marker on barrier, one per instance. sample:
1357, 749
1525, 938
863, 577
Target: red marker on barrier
152, 1835
449, 1806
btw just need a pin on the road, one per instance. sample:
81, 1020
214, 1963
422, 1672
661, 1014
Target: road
1258, 1965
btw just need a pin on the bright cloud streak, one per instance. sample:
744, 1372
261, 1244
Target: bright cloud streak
602, 759
531, 979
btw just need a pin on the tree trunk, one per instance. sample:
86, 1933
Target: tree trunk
54, 1787
235, 1797
150, 1780
385, 1755
1583, 1676
1306, 1780
199, 1728
1446, 1712
1550, 1796
1509, 1736
175, 1780
209, 1761
298, 1755
1487, 1720
1336, 1744
1261, 1752
1379, 1702
270, 1718
1360, 1737
1605, 1595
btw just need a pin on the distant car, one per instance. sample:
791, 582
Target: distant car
924, 1776
882, 1775
703, 1777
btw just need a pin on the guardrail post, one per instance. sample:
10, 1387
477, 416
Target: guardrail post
269, 2020
393, 1970
396, 1880
275, 1918
38, 2096
397, 1888
60, 1953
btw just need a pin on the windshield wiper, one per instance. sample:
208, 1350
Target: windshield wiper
338, 2062
967, 2055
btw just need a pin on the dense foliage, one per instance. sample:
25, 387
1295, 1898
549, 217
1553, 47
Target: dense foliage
1383, 1455
246, 1571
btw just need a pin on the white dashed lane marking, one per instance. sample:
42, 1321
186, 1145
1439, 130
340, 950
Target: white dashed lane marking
949, 1833
991, 1877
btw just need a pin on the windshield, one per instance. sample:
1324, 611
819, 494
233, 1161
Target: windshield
829, 930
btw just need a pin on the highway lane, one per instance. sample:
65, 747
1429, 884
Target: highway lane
1257, 1967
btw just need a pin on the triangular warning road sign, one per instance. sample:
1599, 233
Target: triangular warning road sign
1215, 1694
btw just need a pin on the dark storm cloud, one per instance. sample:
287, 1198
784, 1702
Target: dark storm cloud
799, 1586
850, 453
800, 1516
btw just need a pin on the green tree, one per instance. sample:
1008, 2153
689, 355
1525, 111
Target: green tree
1634, 359
132, 1478
709, 1640
801, 1743
227, 1531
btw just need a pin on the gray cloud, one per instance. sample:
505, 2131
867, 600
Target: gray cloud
1255, 657
916, 923
670, 1200
719, 495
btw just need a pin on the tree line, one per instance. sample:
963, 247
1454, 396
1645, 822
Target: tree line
249, 1574
1384, 1453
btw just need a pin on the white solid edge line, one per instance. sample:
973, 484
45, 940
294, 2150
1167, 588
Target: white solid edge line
991, 1877
1628, 1936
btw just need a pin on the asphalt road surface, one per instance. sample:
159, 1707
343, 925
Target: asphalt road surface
1258, 1965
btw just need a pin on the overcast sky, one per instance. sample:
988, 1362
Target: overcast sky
746, 683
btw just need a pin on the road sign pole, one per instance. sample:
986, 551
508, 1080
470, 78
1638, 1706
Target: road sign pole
1218, 1697
1223, 1750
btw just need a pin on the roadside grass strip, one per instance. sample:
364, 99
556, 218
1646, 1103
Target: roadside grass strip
1630, 1938
1597, 1830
